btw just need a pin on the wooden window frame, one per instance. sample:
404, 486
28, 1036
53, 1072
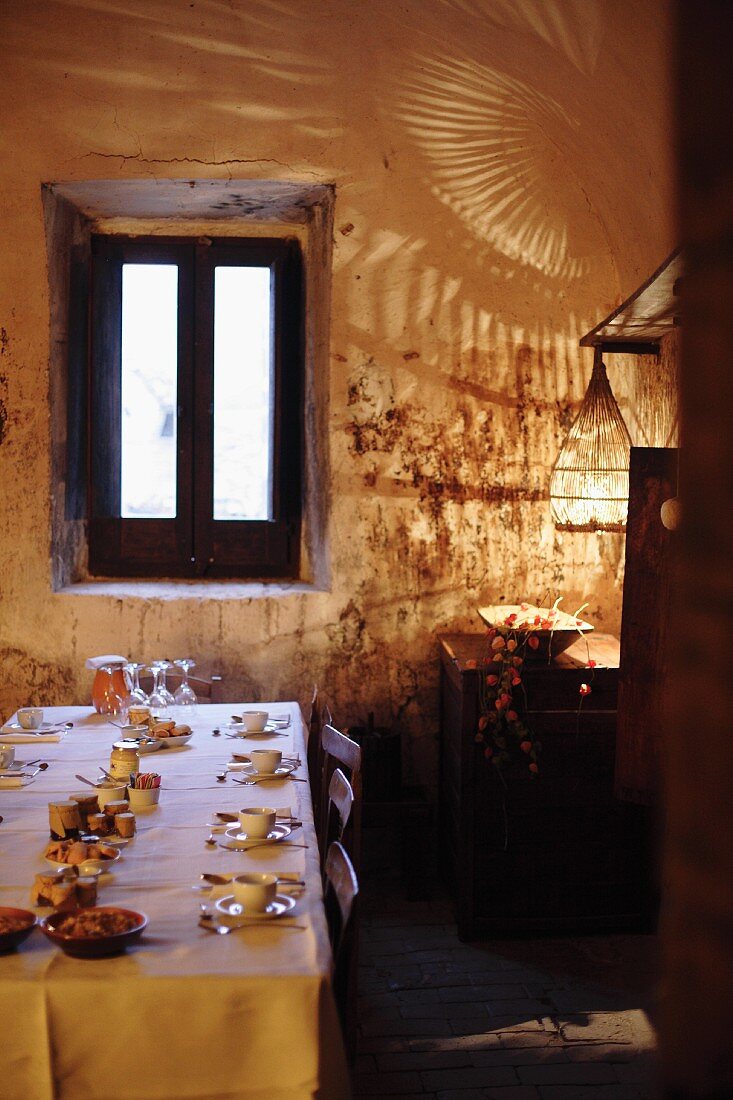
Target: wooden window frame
194, 544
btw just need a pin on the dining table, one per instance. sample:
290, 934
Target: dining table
183, 1013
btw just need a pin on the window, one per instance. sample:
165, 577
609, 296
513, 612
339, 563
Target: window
195, 399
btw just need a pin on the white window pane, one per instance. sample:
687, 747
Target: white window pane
242, 394
149, 390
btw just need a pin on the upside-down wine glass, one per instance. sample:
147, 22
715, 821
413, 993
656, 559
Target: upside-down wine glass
184, 695
137, 695
160, 698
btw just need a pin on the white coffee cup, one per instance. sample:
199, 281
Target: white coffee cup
255, 891
7, 755
254, 721
258, 821
30, 718
266, 761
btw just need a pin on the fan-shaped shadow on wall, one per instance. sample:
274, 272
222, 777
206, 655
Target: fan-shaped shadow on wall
572, 28
498, 153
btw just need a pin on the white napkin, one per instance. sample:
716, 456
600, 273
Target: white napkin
11, 781
11, 735
106, 659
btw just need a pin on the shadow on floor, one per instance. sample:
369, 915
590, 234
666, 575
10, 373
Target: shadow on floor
565, 1018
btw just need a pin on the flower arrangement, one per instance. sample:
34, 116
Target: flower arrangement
502, 696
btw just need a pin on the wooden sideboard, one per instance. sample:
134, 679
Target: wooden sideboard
558, 853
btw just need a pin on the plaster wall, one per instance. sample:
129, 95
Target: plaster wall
502, 181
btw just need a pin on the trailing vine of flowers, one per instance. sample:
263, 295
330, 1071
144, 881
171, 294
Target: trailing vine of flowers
513, 640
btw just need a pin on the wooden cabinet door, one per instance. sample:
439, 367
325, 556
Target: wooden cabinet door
644, 625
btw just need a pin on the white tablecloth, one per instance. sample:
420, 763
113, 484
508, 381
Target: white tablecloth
185, 1013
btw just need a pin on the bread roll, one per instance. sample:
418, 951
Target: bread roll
77, 853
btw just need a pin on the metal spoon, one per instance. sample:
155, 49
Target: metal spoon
268, 779
88, 782
223, 880
24, 775
220, 929
207, 922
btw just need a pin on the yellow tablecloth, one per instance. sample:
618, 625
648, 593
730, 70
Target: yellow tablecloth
185, 1013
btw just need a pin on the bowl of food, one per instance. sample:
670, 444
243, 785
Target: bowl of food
16, 925
547, 631
170, 735
78, 853
94, 932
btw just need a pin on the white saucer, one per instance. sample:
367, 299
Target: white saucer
240, 730
45, 727
239, 839
282, 904
281, 772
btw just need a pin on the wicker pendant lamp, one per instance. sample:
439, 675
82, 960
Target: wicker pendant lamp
589, 486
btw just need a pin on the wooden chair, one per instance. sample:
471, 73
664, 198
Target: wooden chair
340, 751
320, 714
315, 761
340, 899
339, 822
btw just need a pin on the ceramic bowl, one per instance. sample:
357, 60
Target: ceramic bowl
552, 641
109, 794
142, 800
10, 940
95, 947
105, 863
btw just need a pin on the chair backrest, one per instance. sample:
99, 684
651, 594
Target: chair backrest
314, 755
341, 897
339, 824
320, 713
340, 751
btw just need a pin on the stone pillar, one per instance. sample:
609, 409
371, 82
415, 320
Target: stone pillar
697, 917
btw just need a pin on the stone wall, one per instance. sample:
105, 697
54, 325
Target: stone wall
498, 191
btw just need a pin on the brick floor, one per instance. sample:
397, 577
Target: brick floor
550, 1019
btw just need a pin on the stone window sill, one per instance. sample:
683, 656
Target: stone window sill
187, 590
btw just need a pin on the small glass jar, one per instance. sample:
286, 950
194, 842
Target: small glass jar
124, 761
